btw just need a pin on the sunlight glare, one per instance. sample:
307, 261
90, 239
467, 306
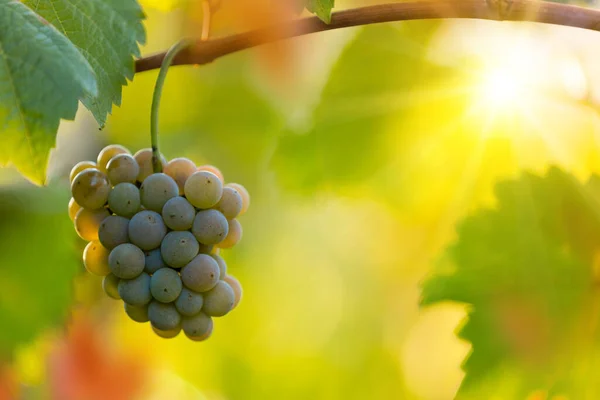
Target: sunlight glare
501, 88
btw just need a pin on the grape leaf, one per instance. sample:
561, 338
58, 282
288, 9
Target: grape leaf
322, 8
42, 76
528, 269
107, 33
38, 263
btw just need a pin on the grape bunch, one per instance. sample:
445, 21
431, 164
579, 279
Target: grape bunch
156, 237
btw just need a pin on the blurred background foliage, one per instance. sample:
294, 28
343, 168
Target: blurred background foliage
373, 157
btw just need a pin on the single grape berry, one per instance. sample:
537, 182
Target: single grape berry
164, 316
90, 189
203, 189
214, 170
154, 261
180, 170
147, 230
80, 166
197, 326
156, 190
243, 193
233, 236
210, 227
87, 222
230, 204
178, 214
109, 152
124, 199
201, 274
237, 288
126, 261
137, 313
113, 231
95, 258
189, 303
219, 300
222, 265
73, 208
166, 334
136, 291
178, 248
144, 160
122, 168
165, 285
110, 285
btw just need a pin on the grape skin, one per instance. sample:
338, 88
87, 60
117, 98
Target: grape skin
95, 259
122, 168
237, 288
90, 189
164, 316
147, 230
203, 189
154, 261
234, 235
110, 285
214, 170
73, 209
80, 166
201, 274
180, 170
243, 193
87, 222
230, 204
165, 285
126, 261
219, 300
178, 248
113, 231
166, 334
197, 326
189, 303
210, 227
136, 291
202, 337
178, 214
137, 313
144, 160
124, 199
206, 248
109, 152
156, 190
222, 265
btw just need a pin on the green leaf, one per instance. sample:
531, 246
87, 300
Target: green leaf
529, 269
38, 263
107, 33
322, 8
42, 76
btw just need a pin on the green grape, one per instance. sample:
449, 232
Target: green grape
203, 189
113, 231
230, 204
222, 265
178, 214
189, 303
243, 193
197, 326
90, 189
164, 316
124, 199
147, 230
178, 248
219, 300
180, 170
169, 334
203, 337
87, 222
201, 274
234, 235
237, 288
144, 160
206, 248
154, 261
109, 152
80, 166
126, 261
210, 227
136, 291
137, 313
95, 258
165, 285
73, 208
156, 190
214, 170
110, 285
122, 168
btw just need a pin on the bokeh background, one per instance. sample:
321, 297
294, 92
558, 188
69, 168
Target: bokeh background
362, 149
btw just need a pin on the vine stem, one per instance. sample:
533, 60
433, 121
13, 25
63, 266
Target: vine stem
519, 10
158, 87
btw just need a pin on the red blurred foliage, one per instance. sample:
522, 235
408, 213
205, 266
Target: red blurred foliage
85, 366
9, 386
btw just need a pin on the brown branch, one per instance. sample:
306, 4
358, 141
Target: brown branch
517, 10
